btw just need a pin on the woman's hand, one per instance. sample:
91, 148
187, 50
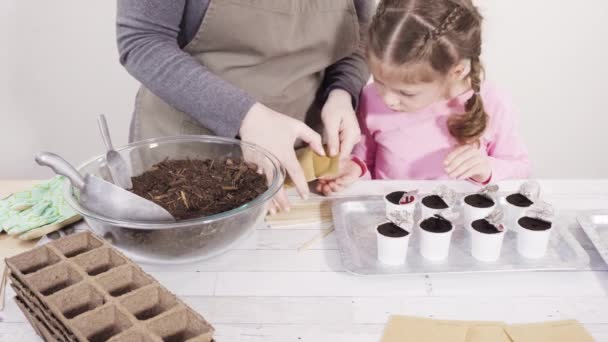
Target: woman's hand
277, 133
468, 162
349, 173
341, 128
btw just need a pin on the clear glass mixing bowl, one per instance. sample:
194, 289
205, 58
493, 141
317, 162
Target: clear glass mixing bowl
187, 240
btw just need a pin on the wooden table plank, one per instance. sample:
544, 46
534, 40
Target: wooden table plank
23, 332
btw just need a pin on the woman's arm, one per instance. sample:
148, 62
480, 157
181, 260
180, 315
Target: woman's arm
351, 73
147, 35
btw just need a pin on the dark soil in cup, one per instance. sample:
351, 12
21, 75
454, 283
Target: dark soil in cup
485, 227
436, 225
395, 196
479, 201
434, 202
519, 200
534, 224
197, 188
392, 230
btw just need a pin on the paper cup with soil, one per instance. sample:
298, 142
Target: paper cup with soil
515, 204
436, 235
487, 236
398, 202
534, 231
479, 205
392, 243
441, 199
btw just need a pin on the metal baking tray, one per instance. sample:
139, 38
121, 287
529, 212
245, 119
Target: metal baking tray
595, 225
355, 221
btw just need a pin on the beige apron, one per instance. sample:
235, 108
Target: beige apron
276, 50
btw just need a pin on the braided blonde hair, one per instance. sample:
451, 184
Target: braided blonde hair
440, 33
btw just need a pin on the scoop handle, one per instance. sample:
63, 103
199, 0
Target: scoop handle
61, 167
105, 132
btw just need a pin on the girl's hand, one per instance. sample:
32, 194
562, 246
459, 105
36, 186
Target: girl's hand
341, 128
349, 173
280, 141
468, 161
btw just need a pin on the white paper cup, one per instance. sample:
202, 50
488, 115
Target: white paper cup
392, 208
426, 212
471, 213
486, 247
532, 243
435, 246
392, 250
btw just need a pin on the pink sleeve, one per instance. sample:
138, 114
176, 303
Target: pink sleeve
507, 152
365, 150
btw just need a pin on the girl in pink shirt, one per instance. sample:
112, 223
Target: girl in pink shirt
428, 114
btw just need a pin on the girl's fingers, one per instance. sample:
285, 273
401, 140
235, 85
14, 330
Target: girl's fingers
465, 168
459, 159
344, 181
472, 172
457, 151
333, 186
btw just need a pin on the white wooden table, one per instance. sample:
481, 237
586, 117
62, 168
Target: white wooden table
265, 290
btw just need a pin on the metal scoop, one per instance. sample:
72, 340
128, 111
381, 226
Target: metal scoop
104, 197
119, 169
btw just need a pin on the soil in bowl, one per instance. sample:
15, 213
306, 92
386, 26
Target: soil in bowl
193, 188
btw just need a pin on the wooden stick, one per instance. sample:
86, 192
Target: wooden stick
3, 287
317, 238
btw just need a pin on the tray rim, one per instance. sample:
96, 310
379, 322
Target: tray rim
341, 236
584, 220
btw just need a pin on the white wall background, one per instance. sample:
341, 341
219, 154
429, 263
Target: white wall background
59, 69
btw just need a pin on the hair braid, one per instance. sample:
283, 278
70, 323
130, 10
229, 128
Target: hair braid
469, 127
448, 23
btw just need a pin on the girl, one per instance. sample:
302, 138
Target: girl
428, 114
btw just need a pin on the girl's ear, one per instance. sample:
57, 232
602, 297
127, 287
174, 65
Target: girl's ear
461, 70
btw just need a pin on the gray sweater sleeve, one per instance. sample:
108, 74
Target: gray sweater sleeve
351, 73
147, 35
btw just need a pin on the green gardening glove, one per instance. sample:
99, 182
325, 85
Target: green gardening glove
40, 206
